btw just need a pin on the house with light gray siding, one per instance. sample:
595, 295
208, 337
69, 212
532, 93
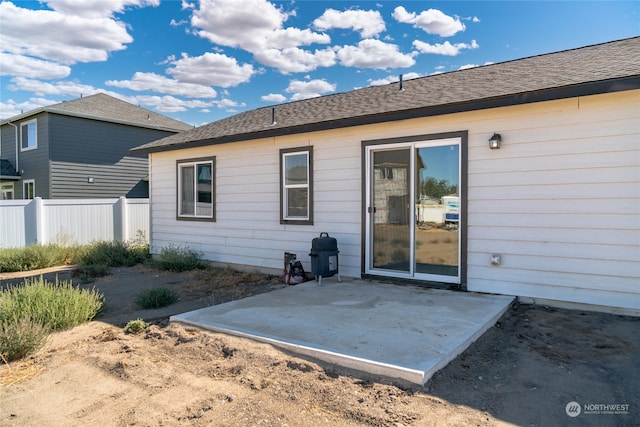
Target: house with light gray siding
518, 178
80, 149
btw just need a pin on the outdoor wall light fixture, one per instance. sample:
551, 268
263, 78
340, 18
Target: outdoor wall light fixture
90, 180
494, 141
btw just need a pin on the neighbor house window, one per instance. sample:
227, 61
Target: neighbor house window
7, 192
386, 173
28, 136
296, 185
28, 189
196, 189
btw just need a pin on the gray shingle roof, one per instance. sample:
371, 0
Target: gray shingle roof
105, 107
7, 169
542, 77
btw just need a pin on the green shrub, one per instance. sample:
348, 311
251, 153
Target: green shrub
178, 258
21, 337
135, 327
156, 298
56, 305
35, 257
97, 258
113, 254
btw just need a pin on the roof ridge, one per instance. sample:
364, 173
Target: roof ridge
446, 73
102, 106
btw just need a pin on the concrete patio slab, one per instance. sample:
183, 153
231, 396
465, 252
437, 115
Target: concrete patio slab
399, 332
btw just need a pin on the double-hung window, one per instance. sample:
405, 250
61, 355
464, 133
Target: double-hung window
28, 135
196, 189
296, 185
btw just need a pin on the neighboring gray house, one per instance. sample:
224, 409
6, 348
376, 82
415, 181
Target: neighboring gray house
79, 149
550, 211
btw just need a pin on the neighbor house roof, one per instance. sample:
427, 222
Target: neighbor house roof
107, 108
7, 171
601, 68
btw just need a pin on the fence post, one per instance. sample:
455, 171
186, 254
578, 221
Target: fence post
120, 220
34, 223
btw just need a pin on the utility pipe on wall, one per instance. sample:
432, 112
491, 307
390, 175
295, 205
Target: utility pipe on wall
17, 161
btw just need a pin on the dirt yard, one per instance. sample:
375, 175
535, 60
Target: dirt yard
524, 371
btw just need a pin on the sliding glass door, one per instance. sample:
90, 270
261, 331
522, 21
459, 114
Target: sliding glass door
413, 210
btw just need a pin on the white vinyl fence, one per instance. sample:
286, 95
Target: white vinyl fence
72, 221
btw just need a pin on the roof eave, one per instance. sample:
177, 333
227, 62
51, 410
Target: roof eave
549, 94
22, 116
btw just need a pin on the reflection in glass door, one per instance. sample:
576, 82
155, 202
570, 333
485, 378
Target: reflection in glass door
391, 209
437, 209
413, 206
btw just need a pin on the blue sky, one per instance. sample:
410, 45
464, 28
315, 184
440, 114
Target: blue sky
202, 60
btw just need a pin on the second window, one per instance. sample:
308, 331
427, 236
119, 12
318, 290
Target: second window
296, 177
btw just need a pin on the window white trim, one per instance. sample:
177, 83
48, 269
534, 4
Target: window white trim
26, 193
31, 135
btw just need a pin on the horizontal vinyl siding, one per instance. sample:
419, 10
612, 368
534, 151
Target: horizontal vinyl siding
82, 148
560, 202
247, 229
109, 180
35, 163
8, 143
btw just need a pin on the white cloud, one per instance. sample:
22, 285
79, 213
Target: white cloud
157, 83
309, 89
180, 23
301, 96
296, 60
371, 53
63, 88
368, 22
18, 65
293, 37
467, 66
210, 69
171, 104
393, 79
432, 21
274, 97
164, 104
228, 103
96, 8
445, 48
252, 25
12, 108
311, 86
41, 88
51, 35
